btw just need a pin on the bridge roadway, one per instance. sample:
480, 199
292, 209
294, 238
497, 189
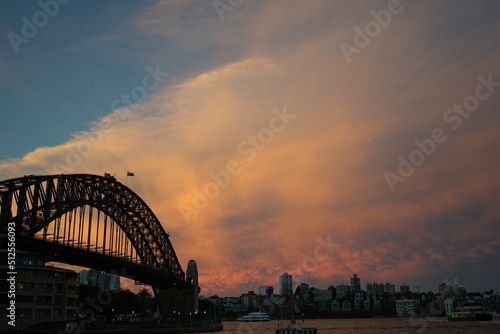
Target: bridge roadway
78, 257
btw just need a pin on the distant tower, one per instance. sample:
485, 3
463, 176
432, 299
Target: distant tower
192, 277
286, 286
355, 284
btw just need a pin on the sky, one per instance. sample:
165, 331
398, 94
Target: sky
318, 138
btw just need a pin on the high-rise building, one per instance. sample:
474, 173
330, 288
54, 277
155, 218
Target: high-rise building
100, 279
404, 288
355, 283
286, 285
304, 291
266, 291
389, 288
343, 291
192, 277
378, 288
113, 282
369, 289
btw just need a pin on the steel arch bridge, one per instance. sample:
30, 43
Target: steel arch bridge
91, 221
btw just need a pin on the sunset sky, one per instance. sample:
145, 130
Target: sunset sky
318, 138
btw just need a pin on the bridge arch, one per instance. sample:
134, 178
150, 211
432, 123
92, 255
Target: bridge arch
37, 205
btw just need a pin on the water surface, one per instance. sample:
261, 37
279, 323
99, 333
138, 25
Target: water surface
372, 326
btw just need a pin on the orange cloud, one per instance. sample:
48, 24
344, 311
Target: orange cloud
322, 174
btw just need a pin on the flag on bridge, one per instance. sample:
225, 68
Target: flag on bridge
130, 174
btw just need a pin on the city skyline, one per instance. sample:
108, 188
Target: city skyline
363, 287
319, 138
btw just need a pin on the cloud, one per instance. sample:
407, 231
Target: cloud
323, 173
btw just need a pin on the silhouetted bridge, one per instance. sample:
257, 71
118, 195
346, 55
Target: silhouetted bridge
90, 221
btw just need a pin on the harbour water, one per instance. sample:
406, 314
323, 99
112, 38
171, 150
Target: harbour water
372, 326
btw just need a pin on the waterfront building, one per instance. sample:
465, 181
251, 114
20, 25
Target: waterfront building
249, 300
304, 291
346, 305
359, 295
378, 288
369, 289
320, 295
357, 305
448, 306
452, 291
404, 288
335, 305
266, 291
44, 292
322, 298
343, 291
286, 285
237, 308
355, 284
389, 288
405, 308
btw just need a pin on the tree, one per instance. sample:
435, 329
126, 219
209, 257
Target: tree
145, 301
175, 303
123, 302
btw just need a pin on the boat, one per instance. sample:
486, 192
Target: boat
292, 329
469, 316
254, 317
296, 330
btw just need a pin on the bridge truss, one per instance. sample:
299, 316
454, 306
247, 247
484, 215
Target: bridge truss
90, 220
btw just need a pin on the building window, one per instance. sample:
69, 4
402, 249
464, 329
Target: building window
28, 273
42, 314
43, 274
25, 286
44, 287
44, 300
25, 313
24, 299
